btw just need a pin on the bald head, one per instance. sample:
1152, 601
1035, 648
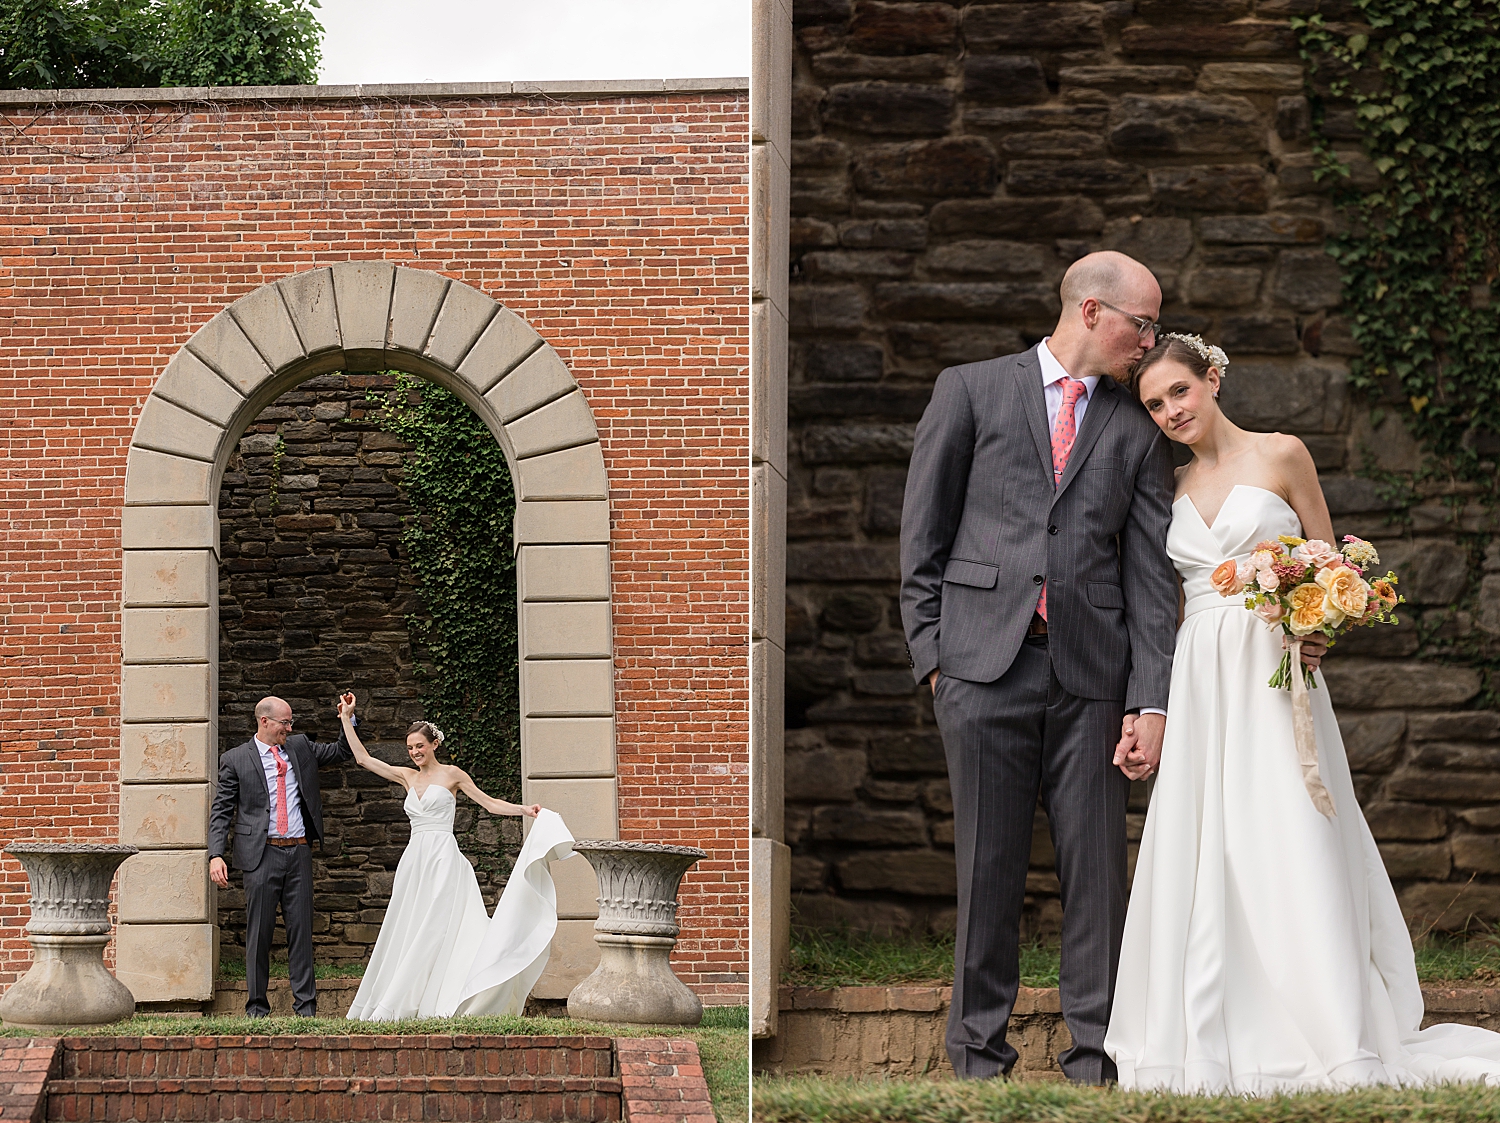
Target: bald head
273, 720
1106, 297
1106, 275
272, 707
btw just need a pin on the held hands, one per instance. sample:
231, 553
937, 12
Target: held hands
346, 705
1139, 752
218, 872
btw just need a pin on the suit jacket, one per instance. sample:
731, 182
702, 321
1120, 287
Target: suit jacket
242, 796
983, 525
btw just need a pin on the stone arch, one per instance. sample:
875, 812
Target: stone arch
367, 315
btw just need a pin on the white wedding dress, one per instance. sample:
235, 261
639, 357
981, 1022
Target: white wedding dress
436, 935
1264, 950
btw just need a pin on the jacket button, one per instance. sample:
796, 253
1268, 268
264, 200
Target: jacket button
1052, 529
1037, 578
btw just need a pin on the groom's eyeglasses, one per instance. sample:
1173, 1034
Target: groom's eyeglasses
286, 721
1142, 324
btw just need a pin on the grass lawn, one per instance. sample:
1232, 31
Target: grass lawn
841, 959
825, 1100
723, 1039
279, 969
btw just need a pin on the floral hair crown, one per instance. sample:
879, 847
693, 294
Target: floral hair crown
1210, 354
437, 734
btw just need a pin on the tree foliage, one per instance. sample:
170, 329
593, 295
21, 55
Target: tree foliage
459, 544
73, 44
1421, 250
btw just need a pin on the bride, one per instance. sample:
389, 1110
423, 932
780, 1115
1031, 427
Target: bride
1264, 950
436, 921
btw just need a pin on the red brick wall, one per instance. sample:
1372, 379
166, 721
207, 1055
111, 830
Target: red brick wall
617, 227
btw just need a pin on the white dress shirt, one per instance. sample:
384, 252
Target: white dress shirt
1052, 376
294, 827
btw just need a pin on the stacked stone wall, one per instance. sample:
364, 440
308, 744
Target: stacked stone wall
949, 162
313, 599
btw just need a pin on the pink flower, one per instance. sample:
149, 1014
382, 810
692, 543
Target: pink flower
1271, 611
1317, 552
1288, 572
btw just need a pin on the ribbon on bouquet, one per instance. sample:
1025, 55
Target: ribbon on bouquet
1303, 731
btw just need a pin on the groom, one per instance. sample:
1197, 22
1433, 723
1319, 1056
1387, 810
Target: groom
269, 787
1040, 605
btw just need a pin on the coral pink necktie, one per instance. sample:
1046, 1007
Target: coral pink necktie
1064, 431
281, 817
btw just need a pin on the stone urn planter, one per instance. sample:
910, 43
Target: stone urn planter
636, 931
68, 984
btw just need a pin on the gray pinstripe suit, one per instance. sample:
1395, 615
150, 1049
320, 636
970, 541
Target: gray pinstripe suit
981, 527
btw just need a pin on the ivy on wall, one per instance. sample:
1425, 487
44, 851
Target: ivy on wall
458, 542
1420, 251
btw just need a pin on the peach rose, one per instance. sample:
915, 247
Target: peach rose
1385, 591
1226, 579
1346, 590
1311, 610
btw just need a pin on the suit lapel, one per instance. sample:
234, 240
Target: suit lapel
250, 765
1101, 405
1029, 382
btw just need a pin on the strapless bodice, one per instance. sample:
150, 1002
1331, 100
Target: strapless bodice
432, 811
1249, 515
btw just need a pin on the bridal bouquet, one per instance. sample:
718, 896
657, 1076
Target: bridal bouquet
1306, 587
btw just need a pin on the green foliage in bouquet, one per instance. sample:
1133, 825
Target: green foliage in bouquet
1420, 251
458, 541
93, 44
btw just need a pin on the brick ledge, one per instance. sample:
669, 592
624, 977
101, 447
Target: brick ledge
194, 94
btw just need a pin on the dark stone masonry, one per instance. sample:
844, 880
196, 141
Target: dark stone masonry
949, 162
313, 599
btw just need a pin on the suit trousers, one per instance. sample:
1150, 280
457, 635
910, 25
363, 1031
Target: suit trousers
1006, 742
284, 877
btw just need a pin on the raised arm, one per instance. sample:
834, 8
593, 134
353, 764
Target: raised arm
490, 803
333, 752
362, 755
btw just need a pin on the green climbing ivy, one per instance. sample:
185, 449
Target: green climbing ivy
1420, 251
458, 542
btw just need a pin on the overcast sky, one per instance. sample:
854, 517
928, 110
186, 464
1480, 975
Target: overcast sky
537, 40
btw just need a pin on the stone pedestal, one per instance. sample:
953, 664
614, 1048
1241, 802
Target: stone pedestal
68, 984
636, 931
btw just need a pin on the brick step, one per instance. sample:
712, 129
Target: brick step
426, 1056
596, 1099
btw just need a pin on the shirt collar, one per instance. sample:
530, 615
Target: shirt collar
261, 747
1052, 370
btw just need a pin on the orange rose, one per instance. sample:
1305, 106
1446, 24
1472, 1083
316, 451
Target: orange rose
1385, 591
1310, 609
1226, 579
1346, 590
